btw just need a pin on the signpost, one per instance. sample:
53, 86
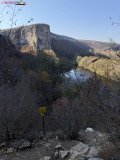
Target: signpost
42, 110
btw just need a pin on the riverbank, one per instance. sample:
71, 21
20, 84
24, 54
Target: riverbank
80, 75
103, 66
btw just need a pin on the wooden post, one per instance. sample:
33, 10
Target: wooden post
43, 126
42, 110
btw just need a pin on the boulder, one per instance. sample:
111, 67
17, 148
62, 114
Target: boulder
16, 143
89, 130
25, 144
20, 144
10, 150
78, 150
95, 138
94, 150
64, 154
58, 146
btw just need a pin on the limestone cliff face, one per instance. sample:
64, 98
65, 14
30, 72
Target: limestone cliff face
36, 36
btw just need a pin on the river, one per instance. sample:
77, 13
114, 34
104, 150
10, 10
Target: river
81, 74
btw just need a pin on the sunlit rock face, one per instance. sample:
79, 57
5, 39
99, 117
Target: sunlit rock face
36, 35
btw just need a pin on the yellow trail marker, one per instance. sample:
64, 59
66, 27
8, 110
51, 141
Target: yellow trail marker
42, 110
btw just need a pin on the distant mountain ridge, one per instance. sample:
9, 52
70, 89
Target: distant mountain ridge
98, 45
94, 45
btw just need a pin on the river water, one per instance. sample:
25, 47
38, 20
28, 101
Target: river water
81, 74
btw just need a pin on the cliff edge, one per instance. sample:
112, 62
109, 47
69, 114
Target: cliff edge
36, 36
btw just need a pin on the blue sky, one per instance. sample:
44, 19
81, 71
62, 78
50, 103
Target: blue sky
80, 19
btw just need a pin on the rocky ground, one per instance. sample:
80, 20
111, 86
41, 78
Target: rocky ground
56, 146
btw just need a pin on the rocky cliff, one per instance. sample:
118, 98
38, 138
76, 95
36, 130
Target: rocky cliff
36, 36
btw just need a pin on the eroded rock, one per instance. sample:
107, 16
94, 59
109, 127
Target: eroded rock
89, 130
33, 37
25, 144
58, 146
63, 154
78, 150
10, 150
93, 151
16, 143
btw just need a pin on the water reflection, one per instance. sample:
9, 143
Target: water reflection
80, 74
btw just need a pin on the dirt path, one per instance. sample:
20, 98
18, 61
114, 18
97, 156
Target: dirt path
41, 149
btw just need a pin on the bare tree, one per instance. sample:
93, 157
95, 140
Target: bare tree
18, 107
8, 38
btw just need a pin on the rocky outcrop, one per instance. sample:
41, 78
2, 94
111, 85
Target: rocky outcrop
51, 148
37, 36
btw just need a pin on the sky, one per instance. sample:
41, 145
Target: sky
79, 19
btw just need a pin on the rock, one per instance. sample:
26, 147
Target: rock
94, 150
28, 49
45, 158
16, 143
20, 144
3, 144
78, 150
89, 130
58, 146
34, 37
10, 150
25, 144
95, 138
95, 159
63, 154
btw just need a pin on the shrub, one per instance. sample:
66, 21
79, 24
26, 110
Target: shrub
67, 115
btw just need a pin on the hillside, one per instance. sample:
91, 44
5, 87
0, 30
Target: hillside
70, 47
98, 45
67, 47
37, 37
29, 83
